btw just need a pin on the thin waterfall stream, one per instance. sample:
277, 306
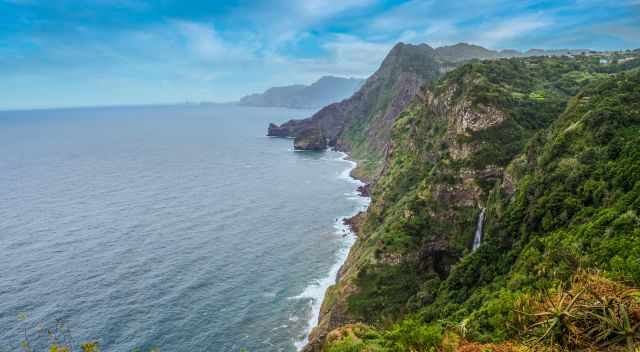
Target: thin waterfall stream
477, 240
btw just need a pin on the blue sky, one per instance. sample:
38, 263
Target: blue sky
102, 52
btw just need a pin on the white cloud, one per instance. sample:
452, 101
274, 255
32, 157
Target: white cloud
437, 33
344, 55
491, 23
411, 14
360, 56
207, 44
512, 28
319, 9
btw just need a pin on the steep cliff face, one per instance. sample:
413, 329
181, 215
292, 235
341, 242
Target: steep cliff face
310, 139
362, 123
468, 143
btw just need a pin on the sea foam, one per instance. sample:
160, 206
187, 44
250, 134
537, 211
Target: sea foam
315, 291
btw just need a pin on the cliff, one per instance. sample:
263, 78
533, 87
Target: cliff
548, 146
326, 90
362, 123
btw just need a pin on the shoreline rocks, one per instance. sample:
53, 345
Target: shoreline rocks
365, 190
311, 139
355, 222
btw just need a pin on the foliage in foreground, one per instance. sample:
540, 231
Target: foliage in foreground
592, 314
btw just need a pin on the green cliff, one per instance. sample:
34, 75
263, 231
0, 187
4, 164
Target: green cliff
549, 146
361, 125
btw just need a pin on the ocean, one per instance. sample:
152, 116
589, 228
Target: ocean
178, 227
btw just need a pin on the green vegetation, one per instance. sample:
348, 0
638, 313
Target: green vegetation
550, 148
559, 176
367, 133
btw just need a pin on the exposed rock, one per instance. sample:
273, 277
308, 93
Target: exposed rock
355, 222
310, 139
371, 111
365, 190
458, 189
289, 129
363, 122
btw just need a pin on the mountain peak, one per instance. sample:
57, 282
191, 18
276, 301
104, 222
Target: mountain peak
407, 57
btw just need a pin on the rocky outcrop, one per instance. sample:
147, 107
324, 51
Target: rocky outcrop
363, 122
290, 129
438, 128
310, 139
365, 190
459, 147
355, 222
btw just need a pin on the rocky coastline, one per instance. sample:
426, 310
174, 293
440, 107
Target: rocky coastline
330, 312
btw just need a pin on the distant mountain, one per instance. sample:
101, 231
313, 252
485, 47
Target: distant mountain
464, 51
361, 125
326, 90
556, 52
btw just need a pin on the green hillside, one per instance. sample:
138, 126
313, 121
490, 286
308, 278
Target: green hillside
550, 148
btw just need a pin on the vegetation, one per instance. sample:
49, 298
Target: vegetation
367, 133
55, 338
594, 313
550, 147
560, 179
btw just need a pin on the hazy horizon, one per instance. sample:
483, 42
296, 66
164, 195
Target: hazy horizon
66, 53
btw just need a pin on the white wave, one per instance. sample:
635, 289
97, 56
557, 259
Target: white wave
315, 291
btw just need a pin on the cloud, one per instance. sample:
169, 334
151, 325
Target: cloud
319, 9
222, 50
507, 30
206, 44
357, 56
410, 14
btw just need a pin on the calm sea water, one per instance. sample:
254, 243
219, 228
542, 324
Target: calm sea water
181, 227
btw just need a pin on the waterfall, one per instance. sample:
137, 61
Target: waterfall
478, 237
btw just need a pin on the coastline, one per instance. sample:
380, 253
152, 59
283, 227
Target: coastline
344, 227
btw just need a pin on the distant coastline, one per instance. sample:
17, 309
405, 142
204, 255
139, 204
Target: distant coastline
324, 91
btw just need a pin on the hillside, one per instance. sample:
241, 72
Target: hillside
546, 149
326, 90
361, 124
465, 51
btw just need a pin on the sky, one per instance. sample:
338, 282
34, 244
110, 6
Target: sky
61, 53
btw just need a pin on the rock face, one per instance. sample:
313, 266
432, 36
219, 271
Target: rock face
278, 131
459, 147
444, 119
365, 190
362, 124
310, 139
326, 90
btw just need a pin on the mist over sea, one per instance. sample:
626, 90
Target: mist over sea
178, 227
